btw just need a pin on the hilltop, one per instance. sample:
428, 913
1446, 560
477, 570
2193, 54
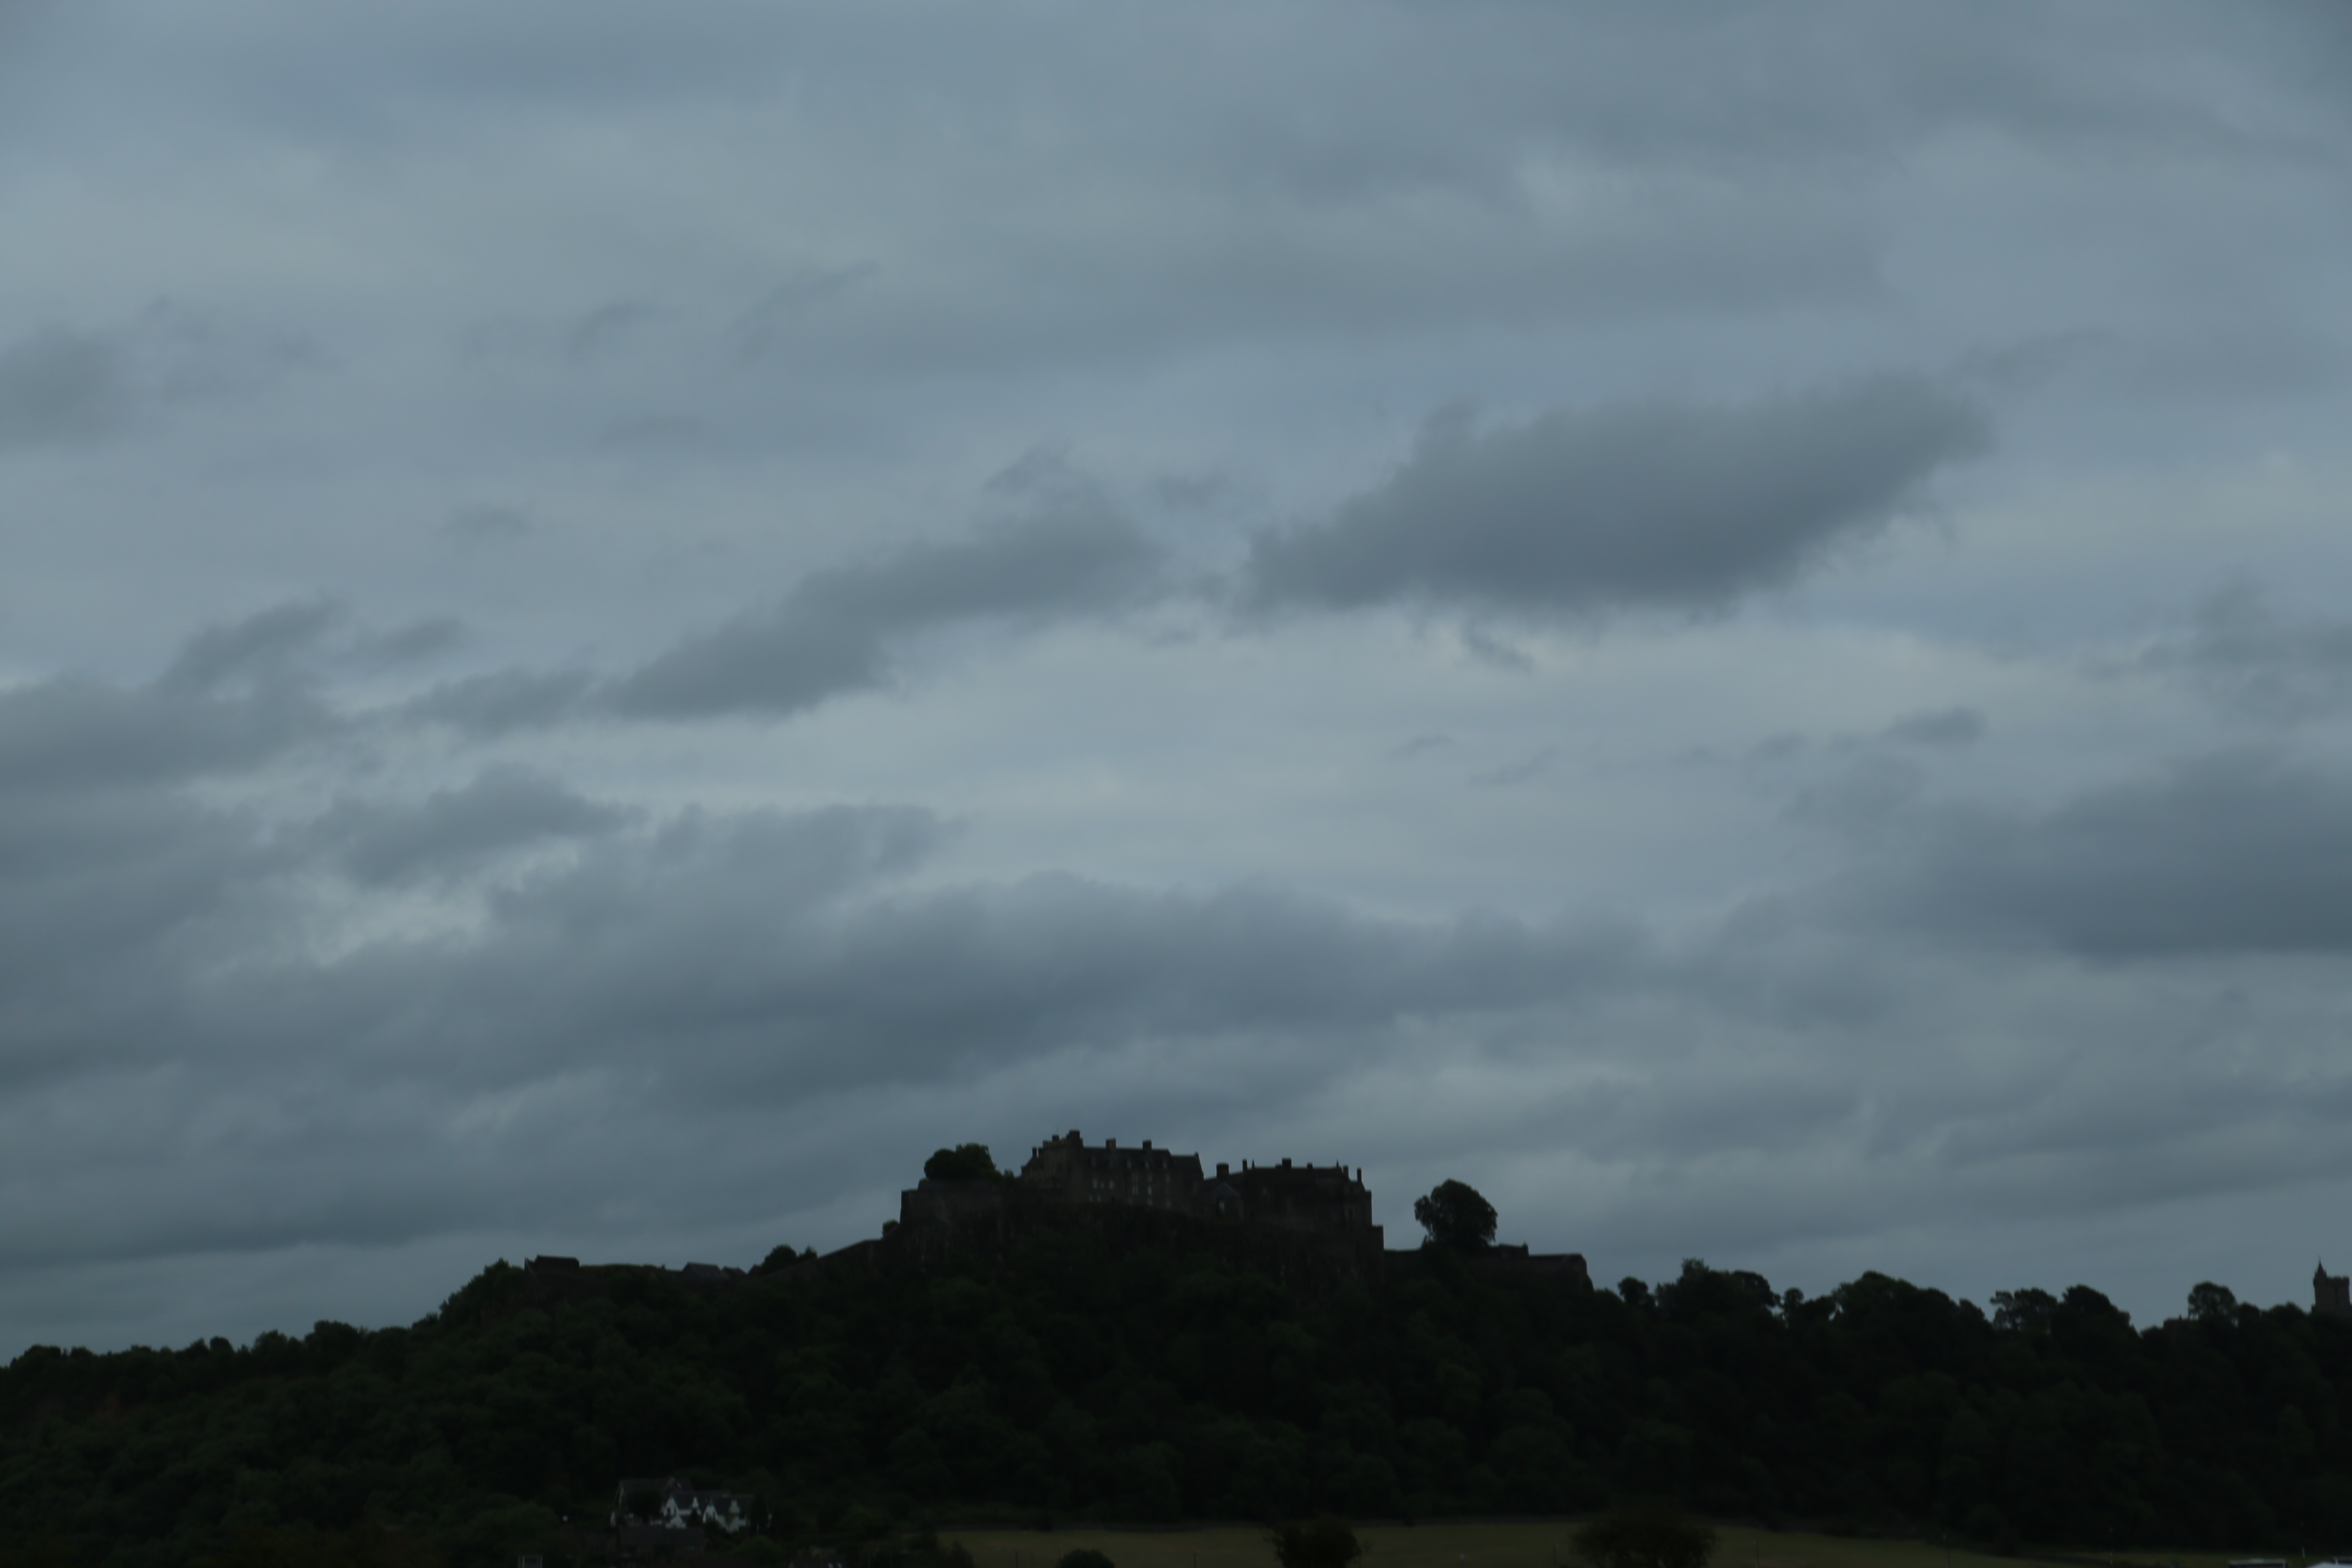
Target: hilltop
1105, 1362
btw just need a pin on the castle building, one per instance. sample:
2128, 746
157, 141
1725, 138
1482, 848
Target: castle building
1066, 1169
1312, 1224
1324, 1200
2331, 1294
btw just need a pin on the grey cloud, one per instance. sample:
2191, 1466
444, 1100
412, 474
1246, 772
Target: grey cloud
1489, 646
453, 831
1592, 77
61, 385
427, 638
2031, 363
109, 902
832, 633
1650, 504
2233, 852
777, 662
1068, 553
1524, 771
1948, 727
1862, 791
708, 964
1192, 492
67, 385
653, 430
768, 326
69, 732
487, 524
2256, 663
595, 332
573, 341
234, 696
504, 702
757, 956
242, 1026
267, 646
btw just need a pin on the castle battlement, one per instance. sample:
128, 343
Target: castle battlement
1280, 1210
1319, 1199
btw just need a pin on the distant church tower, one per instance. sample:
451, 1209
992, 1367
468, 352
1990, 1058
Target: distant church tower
2331, 1294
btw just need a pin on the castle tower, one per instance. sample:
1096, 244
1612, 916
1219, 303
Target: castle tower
2331, 1294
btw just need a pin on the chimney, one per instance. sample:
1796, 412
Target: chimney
1222, 1170
1147, 1143
1285, 1165
1074, 1136
1110, 1142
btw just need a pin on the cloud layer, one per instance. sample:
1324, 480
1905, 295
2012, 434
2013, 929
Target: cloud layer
618, 624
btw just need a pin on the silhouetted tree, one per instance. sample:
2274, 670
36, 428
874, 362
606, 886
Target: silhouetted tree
964, 1162
1456, 1215
2027, 1311
1324, 1542
1645, 1535
2209, 1303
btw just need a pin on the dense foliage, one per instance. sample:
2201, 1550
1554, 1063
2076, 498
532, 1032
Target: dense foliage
964, 1162
1146, 1385
1645, 1535
1456, 1214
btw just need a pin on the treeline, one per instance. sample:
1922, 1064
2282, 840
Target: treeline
1083, 1380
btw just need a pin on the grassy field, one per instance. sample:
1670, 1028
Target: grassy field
1542, 1544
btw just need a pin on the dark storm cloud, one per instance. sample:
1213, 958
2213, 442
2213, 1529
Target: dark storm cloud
2233, 852
1666, 505
835, 632
453, 831
2258, 664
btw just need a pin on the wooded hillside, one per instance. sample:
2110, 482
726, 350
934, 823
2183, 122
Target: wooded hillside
1081, 1380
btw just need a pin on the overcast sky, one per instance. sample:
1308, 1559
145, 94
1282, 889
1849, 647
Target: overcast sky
1732, 624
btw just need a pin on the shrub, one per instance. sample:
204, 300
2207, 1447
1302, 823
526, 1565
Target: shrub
1324, 1542
1645, 1535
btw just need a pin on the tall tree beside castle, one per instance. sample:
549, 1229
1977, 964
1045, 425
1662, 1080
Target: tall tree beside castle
1456, 1215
